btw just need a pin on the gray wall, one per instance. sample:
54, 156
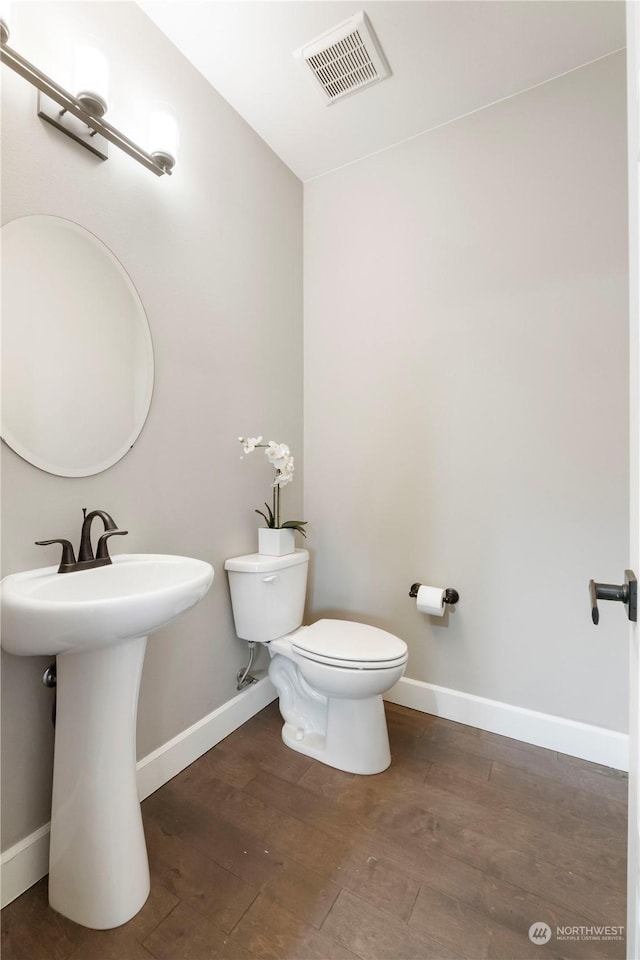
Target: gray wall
215, 253
466, 394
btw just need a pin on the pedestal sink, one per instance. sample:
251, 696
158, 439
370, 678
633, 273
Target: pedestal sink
96, 623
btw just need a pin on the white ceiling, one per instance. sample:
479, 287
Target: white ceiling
448, 58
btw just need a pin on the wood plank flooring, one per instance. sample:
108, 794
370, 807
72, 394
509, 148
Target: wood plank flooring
453, 852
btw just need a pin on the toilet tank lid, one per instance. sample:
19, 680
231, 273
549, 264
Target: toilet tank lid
259, 563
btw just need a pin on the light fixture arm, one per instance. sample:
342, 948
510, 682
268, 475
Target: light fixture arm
68, 102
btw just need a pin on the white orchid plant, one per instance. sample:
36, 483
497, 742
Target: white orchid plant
280, 458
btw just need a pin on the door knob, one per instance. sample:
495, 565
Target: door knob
627, 592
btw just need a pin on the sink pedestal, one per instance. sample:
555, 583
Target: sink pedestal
98, 867
96, 622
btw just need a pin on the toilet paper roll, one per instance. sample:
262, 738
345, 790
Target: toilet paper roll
430, 600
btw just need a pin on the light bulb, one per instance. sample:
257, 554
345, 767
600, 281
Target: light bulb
163, 139
91, 80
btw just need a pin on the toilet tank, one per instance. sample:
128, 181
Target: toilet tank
267, 594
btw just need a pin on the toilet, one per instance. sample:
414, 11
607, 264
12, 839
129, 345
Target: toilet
330, 676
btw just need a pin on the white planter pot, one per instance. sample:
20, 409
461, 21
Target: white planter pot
276, 543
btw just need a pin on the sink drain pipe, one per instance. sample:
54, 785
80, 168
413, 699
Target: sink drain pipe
49, 679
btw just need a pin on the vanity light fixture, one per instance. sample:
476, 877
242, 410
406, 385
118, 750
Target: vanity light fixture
163, 139
82, 115
92, 80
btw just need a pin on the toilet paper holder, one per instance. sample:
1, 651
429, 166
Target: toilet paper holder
451, 596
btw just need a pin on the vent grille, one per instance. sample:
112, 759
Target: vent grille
345, 60
343, 66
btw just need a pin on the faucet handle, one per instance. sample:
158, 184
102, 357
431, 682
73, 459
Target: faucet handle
102, 553
68, 560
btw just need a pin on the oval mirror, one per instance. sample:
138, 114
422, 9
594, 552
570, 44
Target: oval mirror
77, 357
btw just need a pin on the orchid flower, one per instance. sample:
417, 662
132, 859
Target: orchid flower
250, 443
279, 456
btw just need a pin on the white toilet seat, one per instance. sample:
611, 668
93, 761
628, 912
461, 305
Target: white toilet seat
350, 645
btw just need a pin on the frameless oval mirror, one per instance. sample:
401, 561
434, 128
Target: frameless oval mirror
77, 358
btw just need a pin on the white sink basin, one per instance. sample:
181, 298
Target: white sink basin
47, 613
96, 623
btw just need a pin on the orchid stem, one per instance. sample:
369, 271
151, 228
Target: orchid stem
276, 505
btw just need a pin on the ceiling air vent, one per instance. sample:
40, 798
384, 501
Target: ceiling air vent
344, 60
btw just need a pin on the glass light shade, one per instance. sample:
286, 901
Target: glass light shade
5, 20
92, 80
163, 138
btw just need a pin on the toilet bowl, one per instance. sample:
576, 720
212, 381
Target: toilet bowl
330, 675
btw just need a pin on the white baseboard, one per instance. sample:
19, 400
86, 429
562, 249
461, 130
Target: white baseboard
24, 864
27, 861
168, 760
576, 739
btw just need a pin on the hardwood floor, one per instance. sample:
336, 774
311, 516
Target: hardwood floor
453, 852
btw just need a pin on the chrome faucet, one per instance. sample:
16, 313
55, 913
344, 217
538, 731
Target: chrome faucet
86, 559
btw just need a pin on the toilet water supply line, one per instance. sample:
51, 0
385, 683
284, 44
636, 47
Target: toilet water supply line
243, 678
